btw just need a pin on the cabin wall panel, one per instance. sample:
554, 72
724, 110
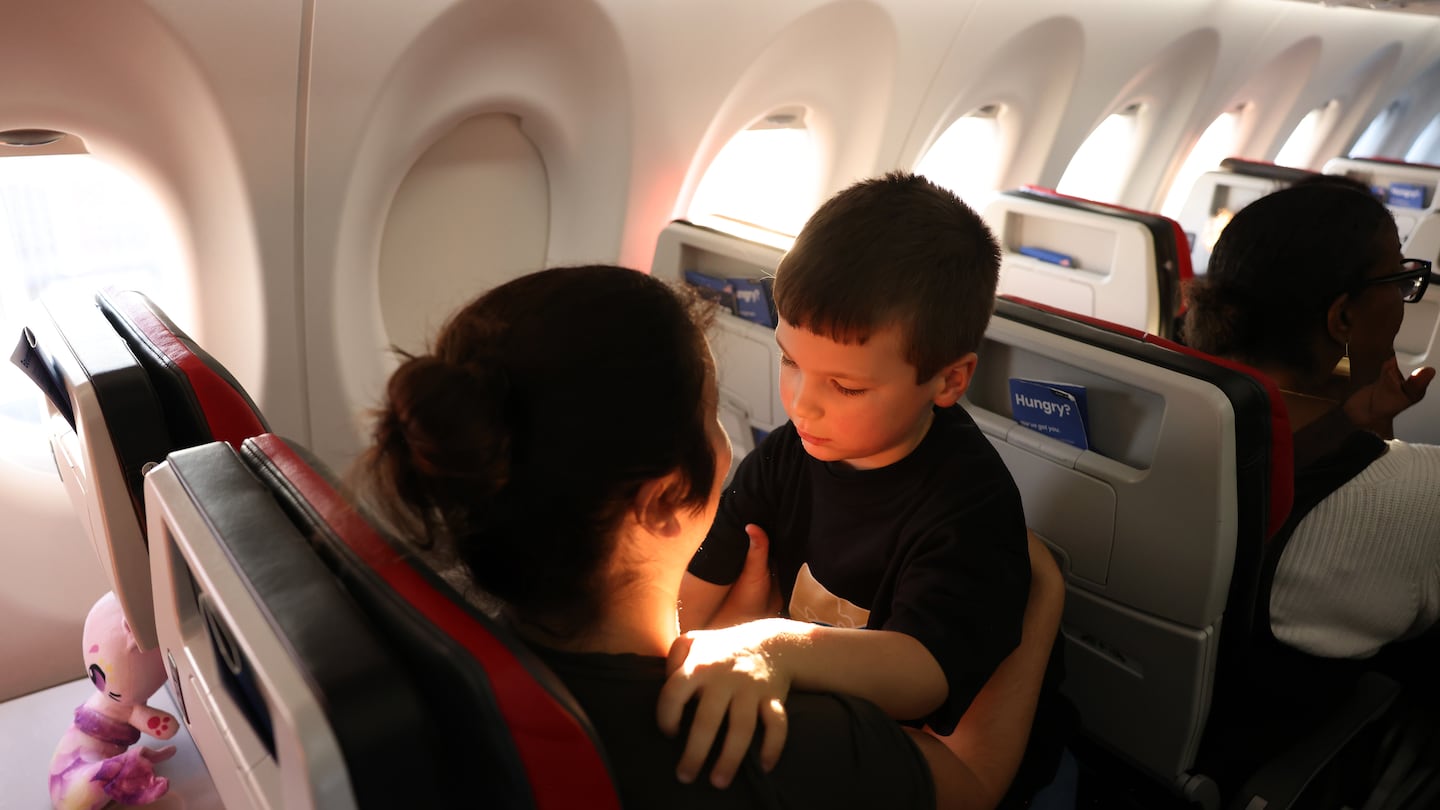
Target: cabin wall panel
205, 122
554, 64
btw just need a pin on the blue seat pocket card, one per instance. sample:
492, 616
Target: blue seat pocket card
1054, 409
712, 288
1406, 195
754, 301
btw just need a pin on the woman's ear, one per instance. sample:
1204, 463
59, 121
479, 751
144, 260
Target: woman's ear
955, 380
654, 509
1337, 320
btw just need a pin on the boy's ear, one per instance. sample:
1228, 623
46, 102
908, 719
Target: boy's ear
955, 380
653, 507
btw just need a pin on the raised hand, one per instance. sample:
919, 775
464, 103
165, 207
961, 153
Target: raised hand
1375, 406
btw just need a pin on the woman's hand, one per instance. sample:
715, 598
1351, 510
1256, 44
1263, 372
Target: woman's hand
1374, 406
733, 674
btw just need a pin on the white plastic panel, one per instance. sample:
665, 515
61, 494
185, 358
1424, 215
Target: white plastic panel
85, 454
1147, 519
1113, 259
199, 597
1213, 200
747, 358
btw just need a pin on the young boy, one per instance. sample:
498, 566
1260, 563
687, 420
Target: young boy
882, 504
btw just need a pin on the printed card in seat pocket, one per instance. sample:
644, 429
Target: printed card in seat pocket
1055, 409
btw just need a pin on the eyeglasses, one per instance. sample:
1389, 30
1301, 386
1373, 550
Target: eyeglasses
1412, 279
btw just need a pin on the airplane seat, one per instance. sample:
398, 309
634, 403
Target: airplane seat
1093, 258
1218, 194
125, 386
747, 360
489, 721
1409, 191
1160, 514
202, 401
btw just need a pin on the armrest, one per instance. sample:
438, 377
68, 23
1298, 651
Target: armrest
1280, 783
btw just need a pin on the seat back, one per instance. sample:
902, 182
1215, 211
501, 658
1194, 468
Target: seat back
1093, 258
126, 386
1217, 195
498, 728
747, 360
1160, 523
1417, 218
289, 694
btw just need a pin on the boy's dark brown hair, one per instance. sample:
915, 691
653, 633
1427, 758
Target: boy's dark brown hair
899, 250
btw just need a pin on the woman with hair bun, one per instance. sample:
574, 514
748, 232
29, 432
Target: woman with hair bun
561, 440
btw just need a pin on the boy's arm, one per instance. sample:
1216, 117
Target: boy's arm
755, 595
744, 672
699, 602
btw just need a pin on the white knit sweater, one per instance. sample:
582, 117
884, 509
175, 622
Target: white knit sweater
1363, 568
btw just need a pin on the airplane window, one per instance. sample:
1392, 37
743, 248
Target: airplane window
1092, 171
766, 179
1215, 144
73, 222
1370, 143
1426, 148
1299, 148
966, 157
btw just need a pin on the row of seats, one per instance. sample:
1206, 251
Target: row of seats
1162, 525
315, 661
1162, 522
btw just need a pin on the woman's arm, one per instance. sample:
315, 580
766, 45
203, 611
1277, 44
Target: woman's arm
989, 742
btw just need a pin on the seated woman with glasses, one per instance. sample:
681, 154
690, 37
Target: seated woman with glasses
1308, 285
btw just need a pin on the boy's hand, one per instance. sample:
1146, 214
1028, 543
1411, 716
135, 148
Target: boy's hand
732, 677
1374, 406
755, 595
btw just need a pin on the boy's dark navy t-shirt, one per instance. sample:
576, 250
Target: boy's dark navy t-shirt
933, 546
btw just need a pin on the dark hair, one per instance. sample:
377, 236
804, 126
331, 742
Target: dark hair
519, 441
894, 250
1277, 268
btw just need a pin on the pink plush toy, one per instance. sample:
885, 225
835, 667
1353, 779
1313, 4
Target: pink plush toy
94, 763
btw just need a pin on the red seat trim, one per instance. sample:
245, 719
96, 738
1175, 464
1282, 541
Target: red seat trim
228, 413
563, 767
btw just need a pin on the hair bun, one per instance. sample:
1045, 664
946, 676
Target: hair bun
444, 428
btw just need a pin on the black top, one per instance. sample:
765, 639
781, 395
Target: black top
933, 546
840, 752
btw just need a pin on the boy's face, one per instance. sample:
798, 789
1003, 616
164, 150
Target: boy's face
859, 403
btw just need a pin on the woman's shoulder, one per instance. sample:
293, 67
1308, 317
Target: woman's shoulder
840, 751
845, 752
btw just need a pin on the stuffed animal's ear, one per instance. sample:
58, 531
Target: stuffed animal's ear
130, 643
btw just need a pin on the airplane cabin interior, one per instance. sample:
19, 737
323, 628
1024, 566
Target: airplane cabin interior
222, 225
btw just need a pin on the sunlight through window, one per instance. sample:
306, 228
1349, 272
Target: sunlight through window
966, 157
75, 224
1299, 148
766, 179
1371, 140
1094, 172
1215, 144
1426, 148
